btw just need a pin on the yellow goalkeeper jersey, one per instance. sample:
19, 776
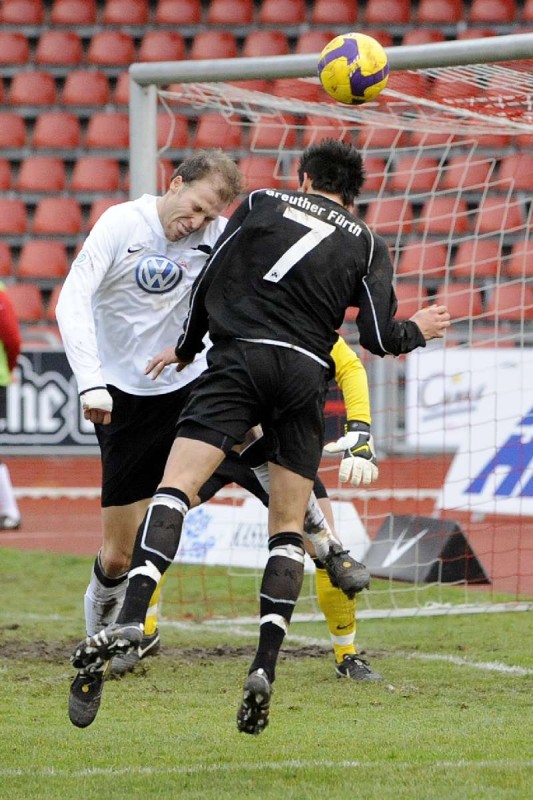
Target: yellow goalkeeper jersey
351, 377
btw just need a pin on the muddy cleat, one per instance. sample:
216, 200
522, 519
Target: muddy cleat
345, 573
126, 662
356, 668
252, 716
92, 654
85, 697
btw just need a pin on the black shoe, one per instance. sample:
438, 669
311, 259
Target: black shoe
92, 654
8, 523
126, 662
356, 668
85, 696
252, 716
345, 572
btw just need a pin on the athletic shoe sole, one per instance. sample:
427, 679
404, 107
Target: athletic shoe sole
126, 662
85, 697
92, 653
252, 716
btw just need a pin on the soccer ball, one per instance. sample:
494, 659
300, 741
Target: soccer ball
353, 68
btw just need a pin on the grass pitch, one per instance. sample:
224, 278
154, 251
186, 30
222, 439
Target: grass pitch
453, 717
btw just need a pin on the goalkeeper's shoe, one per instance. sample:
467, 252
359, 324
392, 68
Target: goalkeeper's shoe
345, 573
252, 716
126, 662
92, 653
85, 696
354, 667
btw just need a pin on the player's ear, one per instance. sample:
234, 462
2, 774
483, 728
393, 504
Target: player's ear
306, 183
176, 184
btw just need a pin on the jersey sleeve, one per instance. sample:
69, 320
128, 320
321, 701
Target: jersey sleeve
74, 311
9, 330
379, 331
351, 377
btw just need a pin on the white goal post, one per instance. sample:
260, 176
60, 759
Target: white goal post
448, 151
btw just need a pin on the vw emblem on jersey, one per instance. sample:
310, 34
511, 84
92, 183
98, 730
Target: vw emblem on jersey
158, 274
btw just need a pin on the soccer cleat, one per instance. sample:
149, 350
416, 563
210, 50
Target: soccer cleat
252, 716
92, 653
356, 668
345, 573
85, 697
8, 523
126, 662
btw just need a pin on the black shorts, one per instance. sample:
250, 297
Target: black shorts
248, 384
134, 447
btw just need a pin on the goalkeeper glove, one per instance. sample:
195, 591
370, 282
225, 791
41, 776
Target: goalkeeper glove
359, 464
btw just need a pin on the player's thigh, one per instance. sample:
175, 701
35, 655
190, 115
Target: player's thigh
289, 495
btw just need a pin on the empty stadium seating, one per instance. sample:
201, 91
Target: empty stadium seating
178, 12
230, 12
57, 216
477, 258
282, 12
27, 301
14, 48
461, 301
6, 260
5, 174
43, 261
95, 174
41, 174
108, 130
214, 130
111, 48
33, 88
341, 12
388, 12
86, 88
126, 12
22, 12
59, 47
13, 216
492, 12
161, 45
445, 12
12, 130
511, 301
73, 12
423, 260
210, 44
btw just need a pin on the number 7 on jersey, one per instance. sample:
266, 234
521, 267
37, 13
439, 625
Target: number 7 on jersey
318, 230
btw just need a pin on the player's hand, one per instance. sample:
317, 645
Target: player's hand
163, 359
359, 464
432, 321
97, 405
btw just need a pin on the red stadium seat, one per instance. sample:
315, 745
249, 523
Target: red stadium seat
162, 46
211, 44
375, 174
43, 260
12, 130
214, 130
476, 33
27, 301
98, 208
517, 170
260, 172
56, 47
50, 311
58, 216
422, 36
444, 214
14, 48
477, 258
13, 217
319, 127
341, 12
33, 89
108, 129
411, 297
467, 172
125, 12
95, 174
414, 174
271, 133
381, 35
282, 12
22, 12
5, 174
511, 301
6, 260
111, 48
86, 88
73, 12
313, 41
423, 260
56, 130
380, 138
461, 301
520, 263
230, 12
431, 12
172, 131
121, 93
527, 11
391, 215
178, 12
496, 214
265, 43
388, 12
299, 88
493, 12
41, 174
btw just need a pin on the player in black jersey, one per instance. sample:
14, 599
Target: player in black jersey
271, 297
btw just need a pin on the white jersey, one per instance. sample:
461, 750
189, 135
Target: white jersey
126, 298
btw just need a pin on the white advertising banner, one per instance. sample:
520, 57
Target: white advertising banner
492, 471
236, 535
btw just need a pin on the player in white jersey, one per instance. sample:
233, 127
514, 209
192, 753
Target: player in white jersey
123, 300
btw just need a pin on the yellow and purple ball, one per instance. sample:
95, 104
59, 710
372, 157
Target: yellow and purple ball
353, 68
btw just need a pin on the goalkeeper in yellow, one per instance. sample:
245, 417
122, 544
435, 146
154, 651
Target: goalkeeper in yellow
358, 466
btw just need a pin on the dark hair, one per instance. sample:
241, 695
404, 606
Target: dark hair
335, 167
227, 178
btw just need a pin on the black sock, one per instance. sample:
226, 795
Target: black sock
280, 587
155, 548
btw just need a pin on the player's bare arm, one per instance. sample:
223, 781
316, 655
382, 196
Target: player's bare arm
432, 321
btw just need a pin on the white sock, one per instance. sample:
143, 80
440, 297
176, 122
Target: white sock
8, 502
102, 603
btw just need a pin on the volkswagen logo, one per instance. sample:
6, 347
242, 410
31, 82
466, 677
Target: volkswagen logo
158, 274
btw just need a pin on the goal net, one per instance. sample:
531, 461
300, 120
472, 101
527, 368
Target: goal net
448, 527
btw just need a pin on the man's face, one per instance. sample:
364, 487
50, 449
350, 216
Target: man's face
188, 207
